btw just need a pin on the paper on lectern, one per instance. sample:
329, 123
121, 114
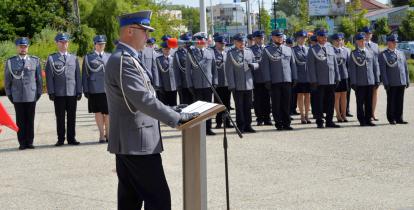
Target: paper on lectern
198, 106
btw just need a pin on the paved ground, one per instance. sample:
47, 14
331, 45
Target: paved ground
348, 168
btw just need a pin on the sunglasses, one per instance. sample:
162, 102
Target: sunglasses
147, 31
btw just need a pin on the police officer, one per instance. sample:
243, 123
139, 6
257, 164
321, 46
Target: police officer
261, 101
312, 42
364, 74
324, 75
93, 75
280, 72
343, 86
23, 85
207, 64
168, 76
395, 77
222, 84
135, 112
64, 86
289, 43
148, 55
302, 88
179, 62
373, 47
250, 40
239, 65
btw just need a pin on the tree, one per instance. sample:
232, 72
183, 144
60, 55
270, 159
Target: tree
303, 13
356, 20
289, 7
265, 20
406, 30
381, 28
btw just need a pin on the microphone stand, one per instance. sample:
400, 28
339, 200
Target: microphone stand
226, 116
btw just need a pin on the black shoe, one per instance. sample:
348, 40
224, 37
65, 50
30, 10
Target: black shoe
291, 118
260, 123
218, 126
393, 122
210, 133
345, 120
231, 108
249, 130
59, 143
320, 126
268, 122
101, 141
401, 122
22, 147
74, 142
279, 128
229, 126
362, 124
288, 128
349, 115
303, 122
332, 125
30, 146
294, 113
370, 124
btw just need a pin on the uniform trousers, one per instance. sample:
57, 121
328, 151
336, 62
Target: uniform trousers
25, 114
261, 102
65, 106
185, 96
204, 94
243, 102
281, 94
169, 98
364, 103
224, 94
141, 180
395, 103
325, 102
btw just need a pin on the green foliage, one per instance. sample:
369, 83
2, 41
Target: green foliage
289, 7
265, 20
191, 19
397, 3
382, 28
411, 69
303, 14
350, 25
406, 30
320, 23
84, 38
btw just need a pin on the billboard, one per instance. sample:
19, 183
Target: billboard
327, 7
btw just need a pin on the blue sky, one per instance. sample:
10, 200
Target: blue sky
254, 3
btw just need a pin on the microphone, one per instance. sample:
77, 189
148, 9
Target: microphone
175, 43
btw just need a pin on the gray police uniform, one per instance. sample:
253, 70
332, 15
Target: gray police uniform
323, 72
64, 84
169, 80
148, 56
300, 54
222, 85
261, 102
364, 74
240, 80
196, 80
280, 70
395, 77
93, 81
23, 85
342, 57
179, 62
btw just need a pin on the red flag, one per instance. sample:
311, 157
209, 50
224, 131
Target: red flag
6, 120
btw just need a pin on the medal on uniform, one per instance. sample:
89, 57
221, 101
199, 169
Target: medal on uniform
393, 63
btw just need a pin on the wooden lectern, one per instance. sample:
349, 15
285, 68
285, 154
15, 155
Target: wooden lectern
194, 160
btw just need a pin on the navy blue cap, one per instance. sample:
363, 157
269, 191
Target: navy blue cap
277, 32
301, 33
164, 45
392, 38
185, 37
313, 38
151, 40
322, 32
165, 37
22, 41
366, 30
62, 37
142, 18
258, 34
219, 38
359, 36
289, 40
249, 36
99, 39
337, 36
239, 37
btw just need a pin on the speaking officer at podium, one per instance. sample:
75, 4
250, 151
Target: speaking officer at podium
280, 72
395, 76
195, 78
23, 85
324, 75
239, 65
364, 73
135, 112
64, 86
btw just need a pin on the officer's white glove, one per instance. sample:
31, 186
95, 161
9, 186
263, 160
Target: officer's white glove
185, 117
179, 107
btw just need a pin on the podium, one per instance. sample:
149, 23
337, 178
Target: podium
194, 160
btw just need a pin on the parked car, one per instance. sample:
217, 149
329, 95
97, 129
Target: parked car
407, 48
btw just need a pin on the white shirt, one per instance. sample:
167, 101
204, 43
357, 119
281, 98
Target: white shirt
129, 47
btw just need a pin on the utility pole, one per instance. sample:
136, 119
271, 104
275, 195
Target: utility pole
203, 18
212, 16
274, 13
260, 16
249, 24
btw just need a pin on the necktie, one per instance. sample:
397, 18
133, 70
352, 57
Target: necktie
100, 55
324, 50
64, 57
